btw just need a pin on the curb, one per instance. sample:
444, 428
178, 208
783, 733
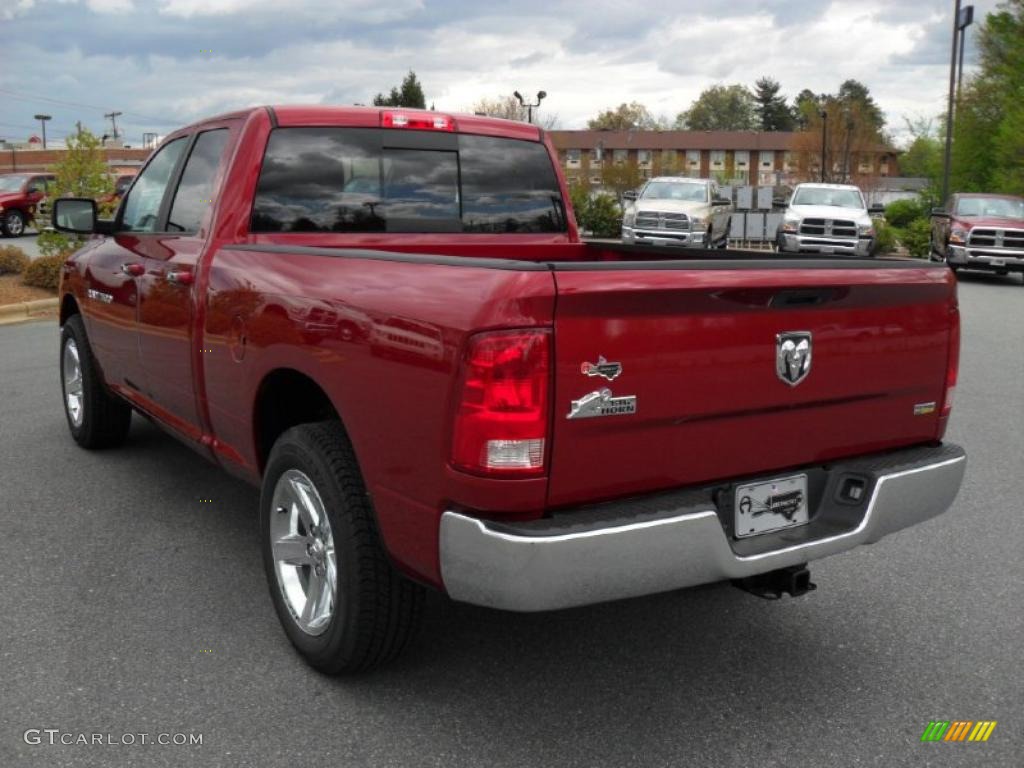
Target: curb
22, 311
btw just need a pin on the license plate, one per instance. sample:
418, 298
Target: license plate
828, 249
771, 505
997, 262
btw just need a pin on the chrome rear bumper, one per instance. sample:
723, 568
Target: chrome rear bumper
539, 566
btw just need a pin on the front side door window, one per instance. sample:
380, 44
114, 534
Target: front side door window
142, 206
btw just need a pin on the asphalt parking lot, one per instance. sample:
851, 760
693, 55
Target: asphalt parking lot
130, 606
26, 242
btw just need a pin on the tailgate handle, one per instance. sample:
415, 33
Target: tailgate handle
803, 297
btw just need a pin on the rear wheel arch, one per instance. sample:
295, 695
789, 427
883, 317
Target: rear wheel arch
287, 398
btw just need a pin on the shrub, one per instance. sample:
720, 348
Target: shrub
12, 260
917, 238
603, 217
885, 238
44, 272
579, 196
901, 212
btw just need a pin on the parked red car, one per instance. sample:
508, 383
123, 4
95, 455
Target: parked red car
20, 193
385, 319
980, 232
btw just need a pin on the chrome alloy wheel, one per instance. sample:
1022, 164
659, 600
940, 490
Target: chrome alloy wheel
15, 224
303, 550
74, 399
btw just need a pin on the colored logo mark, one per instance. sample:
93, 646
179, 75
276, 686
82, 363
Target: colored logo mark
958, 730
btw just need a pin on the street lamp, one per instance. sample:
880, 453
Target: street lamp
962, 19
824, 142
541, 95
42, 121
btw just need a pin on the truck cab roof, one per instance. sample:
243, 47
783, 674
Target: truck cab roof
295, 115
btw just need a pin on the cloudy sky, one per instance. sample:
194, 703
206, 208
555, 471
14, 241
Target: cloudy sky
164, 63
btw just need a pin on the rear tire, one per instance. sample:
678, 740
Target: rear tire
96, 418
340, 601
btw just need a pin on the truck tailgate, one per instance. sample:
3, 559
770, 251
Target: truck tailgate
698, 349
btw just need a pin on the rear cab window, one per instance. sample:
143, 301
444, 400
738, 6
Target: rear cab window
327, 179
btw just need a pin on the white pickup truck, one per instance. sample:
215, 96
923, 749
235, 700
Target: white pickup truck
677, 210
827, 218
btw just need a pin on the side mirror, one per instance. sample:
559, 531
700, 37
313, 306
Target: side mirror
75, 215
629, 194
877, 209
721, 201
940, 213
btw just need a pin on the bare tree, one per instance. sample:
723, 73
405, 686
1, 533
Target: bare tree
509, 108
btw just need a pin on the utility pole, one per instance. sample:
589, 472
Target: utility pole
42, 121
949, 107
113, 121
541, 95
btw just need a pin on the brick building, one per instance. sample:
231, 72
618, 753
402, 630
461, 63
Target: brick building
732, 157
119, 159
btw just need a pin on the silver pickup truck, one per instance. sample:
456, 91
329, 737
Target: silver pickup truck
676, 210
827, 218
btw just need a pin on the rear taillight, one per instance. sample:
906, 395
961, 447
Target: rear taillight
953, 363
952, 367
416, 121
501, 413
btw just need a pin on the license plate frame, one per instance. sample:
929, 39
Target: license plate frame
827, 250
765, 506
997, 262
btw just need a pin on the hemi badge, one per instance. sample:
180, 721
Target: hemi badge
923, 409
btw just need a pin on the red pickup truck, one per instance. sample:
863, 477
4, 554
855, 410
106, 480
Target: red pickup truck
980, 231
20, 194
386, 319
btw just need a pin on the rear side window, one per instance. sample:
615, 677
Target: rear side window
351, 180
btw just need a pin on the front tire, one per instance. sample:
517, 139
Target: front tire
96, 418
13, 223
342, 604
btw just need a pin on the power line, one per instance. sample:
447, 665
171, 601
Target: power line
62, 102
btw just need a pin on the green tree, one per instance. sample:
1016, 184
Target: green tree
773, 113
806, 104
720, 108
625, 117
853, 92
408, 94
81, 172
988, 133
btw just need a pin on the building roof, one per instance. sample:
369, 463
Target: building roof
750, 140
672, 139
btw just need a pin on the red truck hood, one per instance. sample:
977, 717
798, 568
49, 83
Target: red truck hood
989, 221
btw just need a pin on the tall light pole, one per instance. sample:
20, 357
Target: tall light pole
42, 121
824, 142
113, 121
541, 95
949, 107
964, 20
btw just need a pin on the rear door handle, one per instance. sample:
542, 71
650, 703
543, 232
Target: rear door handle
181, 277
132, 269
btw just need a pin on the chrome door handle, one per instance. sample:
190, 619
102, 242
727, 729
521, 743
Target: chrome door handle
181, 277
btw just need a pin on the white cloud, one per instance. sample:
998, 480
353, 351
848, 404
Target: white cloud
586, 56
366, 10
